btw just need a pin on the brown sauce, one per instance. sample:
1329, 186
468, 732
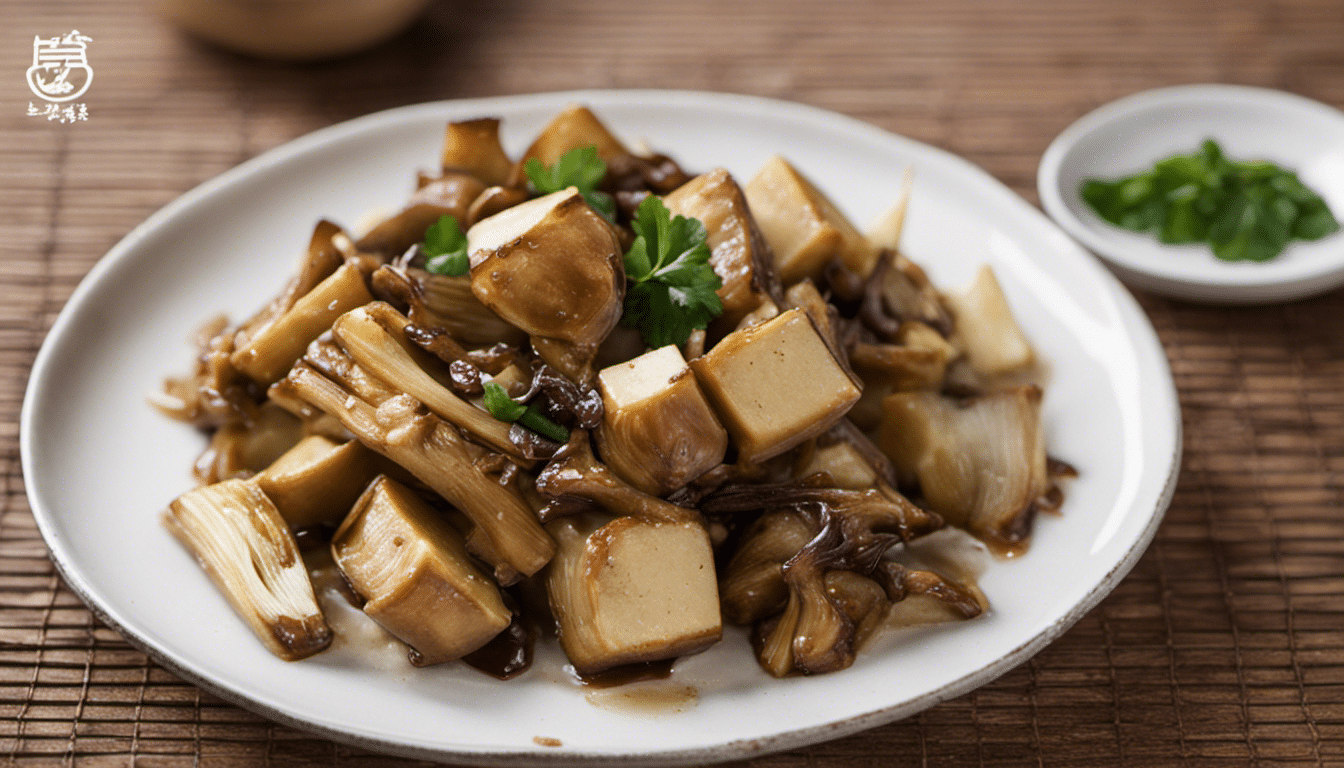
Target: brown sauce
646, 700
509, 654
628, 673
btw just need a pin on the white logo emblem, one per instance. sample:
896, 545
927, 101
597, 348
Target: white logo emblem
60, 70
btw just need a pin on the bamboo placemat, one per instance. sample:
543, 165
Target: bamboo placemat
1224, 646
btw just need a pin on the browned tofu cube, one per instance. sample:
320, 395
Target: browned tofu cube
632, 591
574, 128
416, 577
802, 226
775, 384
658, 431
318, 480
737, 249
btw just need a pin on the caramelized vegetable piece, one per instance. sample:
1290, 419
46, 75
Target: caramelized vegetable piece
451, 195
318, 480
248, 444
472, 146
268, 355
551, 267
244, 545
918, 361
657, 431
413, 572
980, 462
753, 583
738, 251
328, 248
887, 230
775, 384
839, 584
632, 591
510, 538
986, 330
215, 392
573, 128
802, 226
494, 200
847, 457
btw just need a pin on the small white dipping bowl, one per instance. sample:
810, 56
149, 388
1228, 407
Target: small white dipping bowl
1127, 136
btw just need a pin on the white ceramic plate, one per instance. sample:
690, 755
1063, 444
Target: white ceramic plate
1129, 135
100, 464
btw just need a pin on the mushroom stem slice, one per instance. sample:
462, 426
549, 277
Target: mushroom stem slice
575, 472
268, 354
436, 454
386, 353
414, 573
244, 545
632, 591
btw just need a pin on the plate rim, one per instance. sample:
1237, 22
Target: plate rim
1142, 334
1239, 286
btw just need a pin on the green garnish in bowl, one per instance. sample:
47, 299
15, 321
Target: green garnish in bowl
1245, 211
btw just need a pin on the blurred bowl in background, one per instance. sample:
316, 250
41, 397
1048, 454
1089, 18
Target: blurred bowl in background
293, 29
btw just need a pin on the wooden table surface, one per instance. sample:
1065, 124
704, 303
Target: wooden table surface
1224, 646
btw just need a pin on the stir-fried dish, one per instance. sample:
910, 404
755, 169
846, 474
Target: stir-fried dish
586, 389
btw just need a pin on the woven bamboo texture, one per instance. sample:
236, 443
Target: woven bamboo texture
1224, 646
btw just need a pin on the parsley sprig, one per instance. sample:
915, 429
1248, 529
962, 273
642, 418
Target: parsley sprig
445, 248
672, 290
505, 408
580, 168
1245, 211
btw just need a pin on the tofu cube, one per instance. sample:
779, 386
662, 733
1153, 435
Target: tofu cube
775, 384
632, 591
802, 225
416, 577
318, 480
658, 431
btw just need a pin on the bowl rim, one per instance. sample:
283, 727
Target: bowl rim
1221, 282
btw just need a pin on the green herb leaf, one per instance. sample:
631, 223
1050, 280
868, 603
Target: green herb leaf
1315, 223
445, 248
673, 287
505, 408
535, 421
580, 168
500, 405
1245, 210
